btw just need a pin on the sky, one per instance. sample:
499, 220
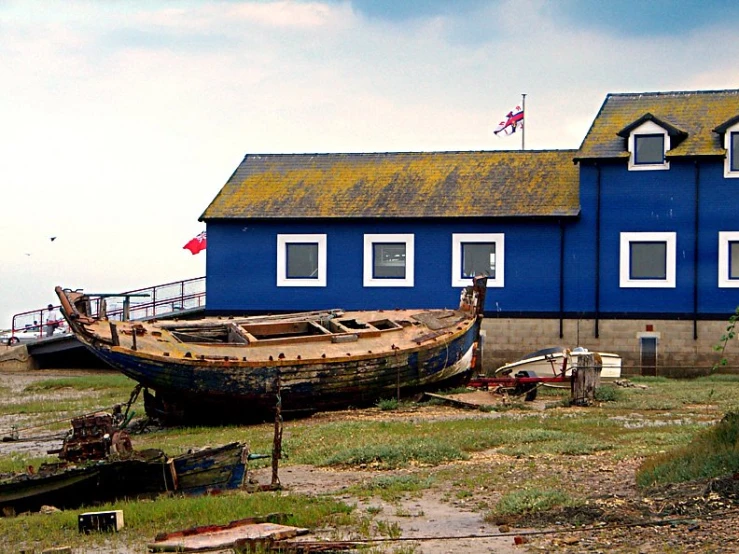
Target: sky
121, 121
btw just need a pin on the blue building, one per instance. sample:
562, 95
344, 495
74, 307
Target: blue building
629, 244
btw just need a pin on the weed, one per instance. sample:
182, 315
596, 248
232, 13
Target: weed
392, 487
388, 404
363, 527
529, 501
393, 456
711, 453
724, 341
389, 529
607, 394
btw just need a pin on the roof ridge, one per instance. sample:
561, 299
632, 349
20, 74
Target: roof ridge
674, 92
425, 152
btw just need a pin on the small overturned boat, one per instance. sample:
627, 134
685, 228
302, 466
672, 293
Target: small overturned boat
549, 362
217, 369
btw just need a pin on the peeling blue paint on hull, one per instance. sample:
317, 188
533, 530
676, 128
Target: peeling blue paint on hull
235, 391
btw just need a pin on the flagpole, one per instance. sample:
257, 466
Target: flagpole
523, 129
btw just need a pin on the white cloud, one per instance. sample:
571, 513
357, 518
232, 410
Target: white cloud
122, 121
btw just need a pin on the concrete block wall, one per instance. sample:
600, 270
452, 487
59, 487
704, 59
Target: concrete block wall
508, 339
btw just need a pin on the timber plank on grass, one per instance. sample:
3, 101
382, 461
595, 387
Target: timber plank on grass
227, 537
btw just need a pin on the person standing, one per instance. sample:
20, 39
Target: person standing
52, 320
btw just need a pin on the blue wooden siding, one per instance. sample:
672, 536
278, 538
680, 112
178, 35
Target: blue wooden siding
241, 266
241, 258
652, 201
719, 211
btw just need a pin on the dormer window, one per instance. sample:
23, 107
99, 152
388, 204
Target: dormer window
648, 140
649, 149
729, 133
648, 144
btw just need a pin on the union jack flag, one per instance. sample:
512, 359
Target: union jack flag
513, 121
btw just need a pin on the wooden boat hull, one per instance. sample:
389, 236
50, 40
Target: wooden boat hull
188, 391
219, 369
69, 488
201, 472
211, 470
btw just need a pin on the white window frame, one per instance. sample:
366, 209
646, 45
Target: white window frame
725, 238
282, 242
648, 128
670, 240
370, 241
728, 173
458, 239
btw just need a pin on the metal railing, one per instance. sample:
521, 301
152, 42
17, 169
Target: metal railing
158, 301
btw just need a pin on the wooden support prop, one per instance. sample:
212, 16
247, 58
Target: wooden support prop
585, 380
277, 442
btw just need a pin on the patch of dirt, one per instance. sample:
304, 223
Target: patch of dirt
427, 521
616, 516
698, 516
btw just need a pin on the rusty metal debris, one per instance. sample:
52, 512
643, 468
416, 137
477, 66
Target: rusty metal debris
94, 437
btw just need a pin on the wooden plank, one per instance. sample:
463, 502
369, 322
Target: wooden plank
453, 401
227, 537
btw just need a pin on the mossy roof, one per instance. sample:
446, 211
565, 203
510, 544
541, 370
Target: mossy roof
401, 185
696, 114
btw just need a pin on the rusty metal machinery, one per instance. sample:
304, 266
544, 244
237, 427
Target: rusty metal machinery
94, 437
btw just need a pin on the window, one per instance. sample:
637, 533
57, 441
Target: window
648, 144
647, 260
649, 149
728, 259
477, 254
301, 260
388, 261
730, 134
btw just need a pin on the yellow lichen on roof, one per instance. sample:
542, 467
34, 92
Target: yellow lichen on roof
696, 113
440, 184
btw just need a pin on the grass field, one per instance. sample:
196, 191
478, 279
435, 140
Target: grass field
499, 461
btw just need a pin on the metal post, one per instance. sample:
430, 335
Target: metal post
523, 128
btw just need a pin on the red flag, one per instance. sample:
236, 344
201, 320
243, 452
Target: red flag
197, 244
